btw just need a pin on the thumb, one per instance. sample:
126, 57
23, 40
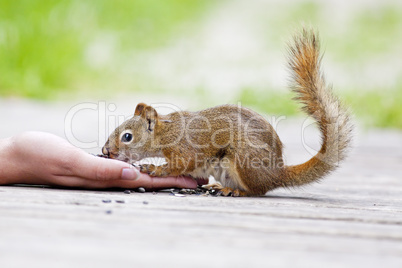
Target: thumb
97, 168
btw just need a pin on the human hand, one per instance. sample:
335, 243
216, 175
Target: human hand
45, 159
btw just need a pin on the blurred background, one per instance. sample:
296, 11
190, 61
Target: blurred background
207, 51
74, 67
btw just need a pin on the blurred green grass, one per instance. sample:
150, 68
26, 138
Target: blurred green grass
49, 49
373, 108
371, 34
44, 44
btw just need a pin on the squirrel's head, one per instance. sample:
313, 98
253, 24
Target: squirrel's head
133, 139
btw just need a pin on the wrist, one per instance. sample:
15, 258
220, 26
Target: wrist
6, 165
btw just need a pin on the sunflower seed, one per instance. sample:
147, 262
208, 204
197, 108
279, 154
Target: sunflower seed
141, 190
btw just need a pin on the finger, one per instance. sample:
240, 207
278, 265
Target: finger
202, 181
157, 183
144, 181
147, 182
79, 182
100, 169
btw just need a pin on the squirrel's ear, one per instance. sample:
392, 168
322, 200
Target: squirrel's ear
140, 107
151, 116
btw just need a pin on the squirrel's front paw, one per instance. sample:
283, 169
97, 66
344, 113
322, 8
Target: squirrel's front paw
154, 171
148, 168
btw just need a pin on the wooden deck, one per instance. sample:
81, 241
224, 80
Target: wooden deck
351, 219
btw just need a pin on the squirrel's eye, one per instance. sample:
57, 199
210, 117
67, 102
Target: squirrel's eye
126, 137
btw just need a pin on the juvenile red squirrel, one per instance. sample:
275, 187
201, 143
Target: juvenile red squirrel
235, 145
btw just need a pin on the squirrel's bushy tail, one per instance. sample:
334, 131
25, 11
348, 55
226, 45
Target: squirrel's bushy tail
318, 101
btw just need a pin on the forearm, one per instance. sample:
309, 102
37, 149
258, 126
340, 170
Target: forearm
42, 158
45, 159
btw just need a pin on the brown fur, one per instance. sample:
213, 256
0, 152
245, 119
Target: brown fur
234, 144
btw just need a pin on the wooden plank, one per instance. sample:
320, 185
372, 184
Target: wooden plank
314, 226
351, 219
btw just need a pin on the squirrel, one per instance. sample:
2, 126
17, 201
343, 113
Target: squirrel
236, 145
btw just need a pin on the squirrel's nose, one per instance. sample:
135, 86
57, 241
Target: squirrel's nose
105, 151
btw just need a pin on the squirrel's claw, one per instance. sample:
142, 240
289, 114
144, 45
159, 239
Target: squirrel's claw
227, 191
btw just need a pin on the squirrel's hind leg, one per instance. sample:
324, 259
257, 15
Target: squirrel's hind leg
227, 191
232, 185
